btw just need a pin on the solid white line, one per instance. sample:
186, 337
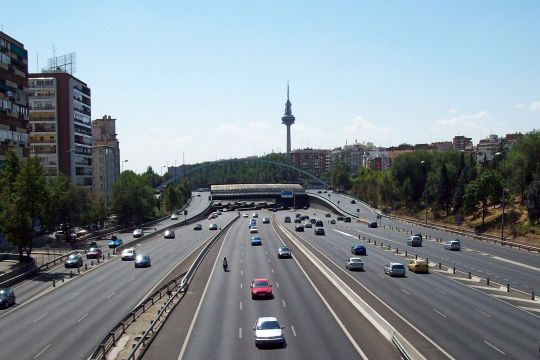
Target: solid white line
78, 321
487, 343
406, 292
111, 295
239, 333
240, 305
440, 313
39, 353
283, 302
483, 313
277, 284
380, 276
515, 263
442, 292
74, 295
293, 331
130, 280
192, 325
39, 318
241, 285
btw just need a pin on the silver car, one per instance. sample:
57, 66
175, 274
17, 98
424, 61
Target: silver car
394, 269
354, 263
268, 332
452, 245
137, 233
284, 252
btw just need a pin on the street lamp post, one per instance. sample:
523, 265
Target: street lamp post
501, 154
425, 189
125, 161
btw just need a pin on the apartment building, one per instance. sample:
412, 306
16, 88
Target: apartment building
105, 157
314, 161
60, 125
462, 143
13, 97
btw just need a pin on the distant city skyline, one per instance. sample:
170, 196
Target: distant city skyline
207, 79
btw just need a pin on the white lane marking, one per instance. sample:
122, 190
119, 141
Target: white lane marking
440, 313
101, 279
487, 343
268, 261
39, 318
240, 305
111, 295
293, 331
442, 292
277, 284
241, 261
130, 280
516, 263
241, 285
192, 325
74, 295
241, 272
239, 333
406, 292
344, 233
283, 302
483, 313
81, 319
381, 276
39, 353
272, 270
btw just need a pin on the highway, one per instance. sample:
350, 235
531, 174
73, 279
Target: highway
502, 264
42, 282
69, 320
466, 323
222, 325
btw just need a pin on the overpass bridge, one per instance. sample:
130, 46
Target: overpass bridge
289, 195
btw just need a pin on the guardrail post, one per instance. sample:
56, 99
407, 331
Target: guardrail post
70, 273
92, 263
97, 259
53, 283
85, 266
405, 253
382, 245
487, 281
388, 246
397, 250
440, 264
108, 254
532, 295
454, 269
103, 257
113, 337
469, 274
375, 242
369, 240
416, 257
507, 287
78, 269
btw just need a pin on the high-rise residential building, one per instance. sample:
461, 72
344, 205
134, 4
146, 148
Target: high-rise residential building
105, 157
13, 97
60, 125
314, 161
488, 147
462, 143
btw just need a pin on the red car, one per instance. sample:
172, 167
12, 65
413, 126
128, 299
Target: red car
94, 253
261, 288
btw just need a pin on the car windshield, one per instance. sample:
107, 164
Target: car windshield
268, 325
284, 248
399, 267
261, 284
71, 257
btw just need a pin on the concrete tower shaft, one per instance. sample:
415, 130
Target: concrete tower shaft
288, 119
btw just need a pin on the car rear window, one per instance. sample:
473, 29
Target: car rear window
399, 267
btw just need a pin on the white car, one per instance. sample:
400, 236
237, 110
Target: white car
174, 217
129, 254
268, 332
245, 215
354, 263
255, 215
452, 245
266, 221
197, 194
253, 230
137, 233
212, 227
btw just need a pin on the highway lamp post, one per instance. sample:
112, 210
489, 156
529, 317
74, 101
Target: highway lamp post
125, 161
425, 188
501, 155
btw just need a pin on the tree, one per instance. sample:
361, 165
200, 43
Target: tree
133, 199
23, 202
533, 197
340, 176
444, 193
487, 187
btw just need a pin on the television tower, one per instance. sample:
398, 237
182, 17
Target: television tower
288, 120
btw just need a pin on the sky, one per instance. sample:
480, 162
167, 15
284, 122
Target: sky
207, 79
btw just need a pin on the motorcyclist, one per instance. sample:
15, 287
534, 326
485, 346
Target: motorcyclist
225, 263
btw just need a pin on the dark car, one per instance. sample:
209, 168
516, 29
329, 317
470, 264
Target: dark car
299, 228
169, 234
7, 298
319, 231
297, 220
319, 223
287, 219
372, 224
313, 221
419, 235
284, 252
347, 219
142, 261
358, 249
339, 218
94, 253
332, 221
353, 201
197, 227
327, 215
74, 261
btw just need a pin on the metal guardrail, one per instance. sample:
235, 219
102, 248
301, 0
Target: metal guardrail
112, 337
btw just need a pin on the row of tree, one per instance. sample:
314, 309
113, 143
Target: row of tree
32, 204
452, 183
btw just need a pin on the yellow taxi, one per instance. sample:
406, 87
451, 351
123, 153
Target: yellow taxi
418, 266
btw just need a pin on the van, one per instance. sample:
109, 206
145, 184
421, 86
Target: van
452, 245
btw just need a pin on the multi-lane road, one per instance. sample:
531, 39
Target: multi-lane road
68, 321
